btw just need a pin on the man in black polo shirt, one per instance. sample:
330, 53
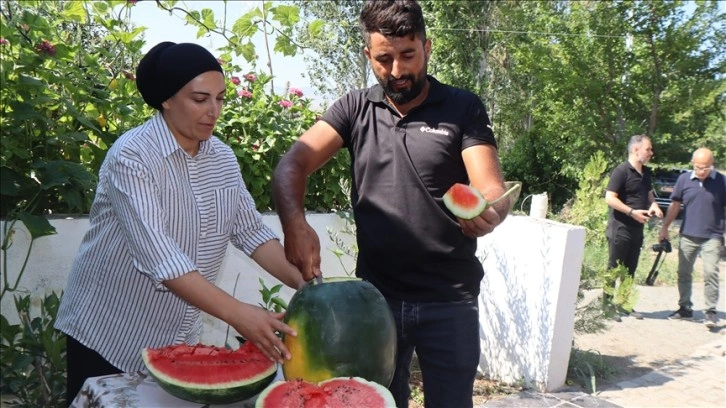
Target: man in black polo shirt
629, 195
410, 138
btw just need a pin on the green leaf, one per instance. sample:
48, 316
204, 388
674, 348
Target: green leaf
208, 19
275, 289
288, 16
247, 51
37, 225
126, 37
279, 302
12, 182
245, 26
315, 28
74, 11
285, 46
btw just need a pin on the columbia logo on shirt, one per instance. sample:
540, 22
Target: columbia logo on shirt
426, 129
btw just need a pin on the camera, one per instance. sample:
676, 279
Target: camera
663, 246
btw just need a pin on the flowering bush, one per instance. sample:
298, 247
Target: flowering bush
261, 127
66, 94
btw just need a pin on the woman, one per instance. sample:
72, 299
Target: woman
170, 198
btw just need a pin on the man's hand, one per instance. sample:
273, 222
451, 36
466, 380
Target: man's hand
481, 225
302, 249
642, 216
655, 210
663, 234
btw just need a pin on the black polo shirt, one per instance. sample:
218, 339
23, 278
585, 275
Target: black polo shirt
632, 189
410, 246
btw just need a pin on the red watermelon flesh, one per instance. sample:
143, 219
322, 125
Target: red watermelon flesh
464, 201
210, 374
333, 393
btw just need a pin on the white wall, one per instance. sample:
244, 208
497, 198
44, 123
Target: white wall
527, 303
527, 306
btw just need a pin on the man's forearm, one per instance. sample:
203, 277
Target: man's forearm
673, 209
288, 189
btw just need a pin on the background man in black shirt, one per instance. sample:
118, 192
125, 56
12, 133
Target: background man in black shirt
629, 194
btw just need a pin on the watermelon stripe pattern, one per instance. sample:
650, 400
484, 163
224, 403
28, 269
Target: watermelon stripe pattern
344, 329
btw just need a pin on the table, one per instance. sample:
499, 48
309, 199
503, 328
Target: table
137, 390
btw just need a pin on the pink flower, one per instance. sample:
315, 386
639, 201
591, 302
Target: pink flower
235, 80
285, 103
251, 77
45, 47
4, 41
295, 91
244, 93
255, 146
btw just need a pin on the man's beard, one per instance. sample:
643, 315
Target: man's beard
406, 95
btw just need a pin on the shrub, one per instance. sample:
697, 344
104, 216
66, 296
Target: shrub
33, 356
67, 91
261, 127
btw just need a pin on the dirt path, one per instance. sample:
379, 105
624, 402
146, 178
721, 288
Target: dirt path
635, 347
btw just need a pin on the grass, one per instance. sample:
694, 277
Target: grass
586, 368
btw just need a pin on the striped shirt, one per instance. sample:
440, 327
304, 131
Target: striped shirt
158, 214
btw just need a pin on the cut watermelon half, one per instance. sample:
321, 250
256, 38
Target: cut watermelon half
209, 374
339, 392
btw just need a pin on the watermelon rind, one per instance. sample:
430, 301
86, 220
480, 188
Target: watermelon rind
266, 399
464, 201
345, 328
217, 393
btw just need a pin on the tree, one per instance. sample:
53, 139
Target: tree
274, 20
336, 59
575, 78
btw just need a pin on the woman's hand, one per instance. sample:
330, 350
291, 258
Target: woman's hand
261, 327
254, 323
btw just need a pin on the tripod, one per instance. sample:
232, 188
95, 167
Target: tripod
650, 280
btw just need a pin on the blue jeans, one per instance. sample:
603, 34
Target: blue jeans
688, 249
445, 337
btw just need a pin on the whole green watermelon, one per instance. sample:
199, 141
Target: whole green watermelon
344, 329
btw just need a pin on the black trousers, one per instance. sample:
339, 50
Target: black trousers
83, 363
624, 248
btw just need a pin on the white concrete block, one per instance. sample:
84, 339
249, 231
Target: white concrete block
527, 303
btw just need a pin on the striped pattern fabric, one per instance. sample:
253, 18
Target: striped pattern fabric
158, 214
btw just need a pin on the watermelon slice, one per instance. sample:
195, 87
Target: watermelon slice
466, 202
339, 392
209, 374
